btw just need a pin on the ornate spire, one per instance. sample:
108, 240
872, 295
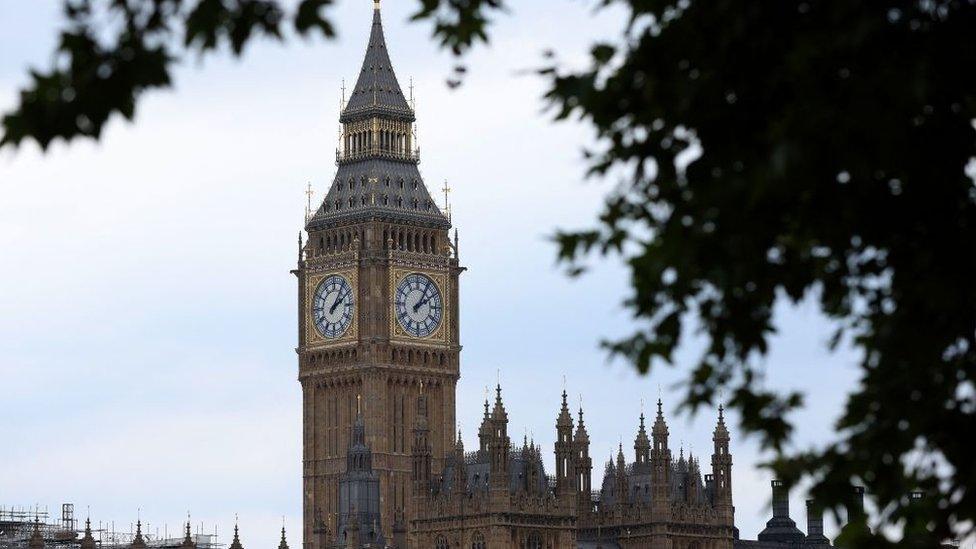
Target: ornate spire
188, 542
498, 412
565, 419
721, 433
88, 541
581, 435
359, 456
642, 441
660, 428
283, 544
36, 540
236, 543
138, 542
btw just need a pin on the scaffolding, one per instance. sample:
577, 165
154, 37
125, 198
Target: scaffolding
17, 526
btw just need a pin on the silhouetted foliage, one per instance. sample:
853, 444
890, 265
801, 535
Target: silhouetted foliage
776, 151
111, 51
768, 152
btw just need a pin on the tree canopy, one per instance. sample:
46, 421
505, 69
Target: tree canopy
770, 152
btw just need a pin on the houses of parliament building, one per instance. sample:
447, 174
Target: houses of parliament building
379, 360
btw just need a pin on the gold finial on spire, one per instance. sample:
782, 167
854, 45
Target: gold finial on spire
376, 5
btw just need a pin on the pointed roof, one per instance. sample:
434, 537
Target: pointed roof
236, 543
721, 433
36, 540
565, 419
681, 465
283, 544
359, 456
581, 435
138, 542
377, 90
642, 441
188, 539
88, 541
376, 186
484, 430
660, 428
498, 413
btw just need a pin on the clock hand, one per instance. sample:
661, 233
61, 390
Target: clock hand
338, 300
421, 303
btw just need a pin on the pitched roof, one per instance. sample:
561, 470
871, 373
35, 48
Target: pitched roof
381, 188
377, 89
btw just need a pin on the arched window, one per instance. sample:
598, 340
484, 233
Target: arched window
534, 541
478, 541
441, 543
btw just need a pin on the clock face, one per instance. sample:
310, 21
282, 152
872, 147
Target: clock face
418, 305
332, 306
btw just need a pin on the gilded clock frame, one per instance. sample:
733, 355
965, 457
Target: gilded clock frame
442, 333
314, 338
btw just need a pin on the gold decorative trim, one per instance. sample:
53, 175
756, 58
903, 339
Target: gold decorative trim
441, 334
313, 337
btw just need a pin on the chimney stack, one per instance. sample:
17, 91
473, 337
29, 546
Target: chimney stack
781, 499
781, 527
815, 528
855, 510
814, 520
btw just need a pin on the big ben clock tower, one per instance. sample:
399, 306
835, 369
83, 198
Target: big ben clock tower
378, 305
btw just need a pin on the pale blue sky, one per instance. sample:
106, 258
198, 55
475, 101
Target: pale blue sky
147, 320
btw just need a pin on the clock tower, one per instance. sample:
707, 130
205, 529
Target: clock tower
377, 307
